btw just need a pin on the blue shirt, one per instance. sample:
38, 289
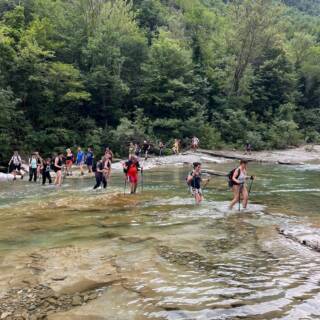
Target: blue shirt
80, 156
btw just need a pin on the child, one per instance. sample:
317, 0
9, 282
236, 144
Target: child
194, 181
46, 171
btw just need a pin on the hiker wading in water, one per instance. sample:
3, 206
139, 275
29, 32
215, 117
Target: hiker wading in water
57, 168
14, 165
194, 182
237, 179
100, 175
131, 168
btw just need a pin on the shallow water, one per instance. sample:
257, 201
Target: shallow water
190, 262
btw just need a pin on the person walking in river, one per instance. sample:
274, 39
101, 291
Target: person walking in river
39, 164
237, 179
194, 181
46, 171
15, 164
89, 159
33, 168
69, 162
107, 162
131, 168
99, 174
57, 167
80, 160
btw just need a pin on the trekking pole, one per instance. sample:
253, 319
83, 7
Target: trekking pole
141, 179
251, 183
240, 189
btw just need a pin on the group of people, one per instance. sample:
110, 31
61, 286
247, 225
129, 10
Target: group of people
236, 180
143, 150
62, 164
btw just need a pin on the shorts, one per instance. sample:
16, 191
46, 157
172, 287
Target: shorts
195, 191
55, 169
89, 163
80, 163
133, 179
16, 167
69, 162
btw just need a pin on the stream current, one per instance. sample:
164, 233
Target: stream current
189, 261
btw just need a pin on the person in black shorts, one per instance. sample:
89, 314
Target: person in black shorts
46, 171
15, 165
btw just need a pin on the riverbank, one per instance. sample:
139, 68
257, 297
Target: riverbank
293, 156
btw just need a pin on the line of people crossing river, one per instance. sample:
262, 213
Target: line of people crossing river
62, 164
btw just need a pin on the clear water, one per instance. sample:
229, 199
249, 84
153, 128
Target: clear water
197, 262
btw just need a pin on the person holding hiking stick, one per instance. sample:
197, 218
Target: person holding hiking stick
131, 168
237, 179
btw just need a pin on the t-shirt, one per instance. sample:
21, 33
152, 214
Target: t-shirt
46, 167
132, 168
33, 163
89, 157
80, 156
16, 160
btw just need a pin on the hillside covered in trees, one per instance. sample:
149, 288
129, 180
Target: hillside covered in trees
105, 72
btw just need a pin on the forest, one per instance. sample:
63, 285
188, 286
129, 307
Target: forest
107, 72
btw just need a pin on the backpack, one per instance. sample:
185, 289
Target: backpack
231, 183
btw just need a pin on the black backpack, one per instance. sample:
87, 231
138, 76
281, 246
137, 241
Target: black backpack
231, 183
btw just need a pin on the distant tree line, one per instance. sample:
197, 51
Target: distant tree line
107, 72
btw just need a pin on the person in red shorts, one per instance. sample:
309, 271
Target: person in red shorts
131, 168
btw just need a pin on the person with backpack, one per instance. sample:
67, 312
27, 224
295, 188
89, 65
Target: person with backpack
194, 181
237, 178
131, 168
46, 167
15, 165
33, 168
99, 174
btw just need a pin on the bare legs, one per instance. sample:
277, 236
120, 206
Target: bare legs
239, 191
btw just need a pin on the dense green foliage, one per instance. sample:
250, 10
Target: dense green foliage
105, 72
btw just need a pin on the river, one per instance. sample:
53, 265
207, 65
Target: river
178, 260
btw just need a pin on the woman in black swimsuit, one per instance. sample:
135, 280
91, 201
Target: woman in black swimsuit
58, 163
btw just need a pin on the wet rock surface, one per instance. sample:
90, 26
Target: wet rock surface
36, 303
188, 259
306, 236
